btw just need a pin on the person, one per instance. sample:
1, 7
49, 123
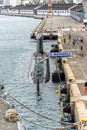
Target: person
68, 41
64, 39
85, 88
74, 42
69, 36
81, 39
81, 47
81, 50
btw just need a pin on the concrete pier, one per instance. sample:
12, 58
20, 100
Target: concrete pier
76, 75
75, 67
78, 68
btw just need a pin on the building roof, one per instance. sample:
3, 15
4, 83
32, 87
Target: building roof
6, 7
27, 7
78, 7
21, 7
57, 6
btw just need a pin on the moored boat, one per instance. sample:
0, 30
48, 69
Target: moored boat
39, 67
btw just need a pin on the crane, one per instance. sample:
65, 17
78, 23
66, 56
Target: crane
50, 11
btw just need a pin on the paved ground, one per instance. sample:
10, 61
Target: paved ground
78, 62
55, 22
5, 125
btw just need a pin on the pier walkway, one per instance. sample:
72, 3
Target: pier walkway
77, 64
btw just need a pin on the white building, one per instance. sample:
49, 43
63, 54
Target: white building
24, 2
10, 2
77, 1
15, 2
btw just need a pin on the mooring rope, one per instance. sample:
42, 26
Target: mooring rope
29, 109
82, 126
40, 125
41, 115
53, 128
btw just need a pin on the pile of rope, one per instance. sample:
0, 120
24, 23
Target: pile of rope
11, 115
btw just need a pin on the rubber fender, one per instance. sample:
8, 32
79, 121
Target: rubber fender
57, 76
63, 90
67, 109
54, 50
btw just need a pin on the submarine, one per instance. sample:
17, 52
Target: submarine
39, 66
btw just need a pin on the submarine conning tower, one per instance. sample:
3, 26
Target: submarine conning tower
39, 39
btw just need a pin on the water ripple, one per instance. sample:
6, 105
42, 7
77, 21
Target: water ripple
16, 49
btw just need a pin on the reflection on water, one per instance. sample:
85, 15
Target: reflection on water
16, 49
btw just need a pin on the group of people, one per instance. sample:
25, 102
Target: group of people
74, 41
80, 41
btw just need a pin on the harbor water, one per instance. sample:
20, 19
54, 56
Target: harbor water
16, 50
